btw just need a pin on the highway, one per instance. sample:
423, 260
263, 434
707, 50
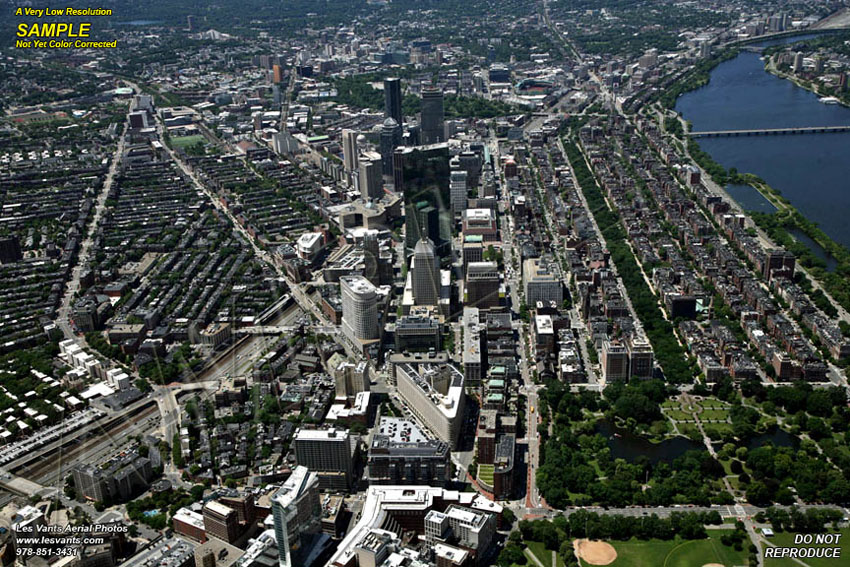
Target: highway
45, 464
239, 358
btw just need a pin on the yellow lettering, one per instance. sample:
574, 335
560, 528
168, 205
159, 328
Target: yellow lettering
22, 30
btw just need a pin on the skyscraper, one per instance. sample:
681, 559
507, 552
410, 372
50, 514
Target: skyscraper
329, 453
221, 521
390, 140
421, 174
432, 118
371, 179
426, 274
482, 284
392, 99
458, 191
349, 150
421, 220
296, 509
359, 308
798, 62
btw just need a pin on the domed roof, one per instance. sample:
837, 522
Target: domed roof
390, 122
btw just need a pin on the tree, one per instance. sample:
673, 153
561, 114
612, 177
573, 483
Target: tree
758, 494
176, 453
511, 555
197, 492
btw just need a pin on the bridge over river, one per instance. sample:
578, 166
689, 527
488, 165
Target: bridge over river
769, 131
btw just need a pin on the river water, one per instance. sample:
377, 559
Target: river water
811, 170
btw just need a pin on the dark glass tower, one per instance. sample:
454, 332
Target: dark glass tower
432, 120
392, 99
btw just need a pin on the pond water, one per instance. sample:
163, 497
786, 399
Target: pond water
626, 445
776, 436
817, 249
750, 199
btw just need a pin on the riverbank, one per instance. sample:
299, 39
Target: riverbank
770, 67
779, 227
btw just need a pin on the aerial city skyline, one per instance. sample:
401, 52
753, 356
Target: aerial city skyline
381, 283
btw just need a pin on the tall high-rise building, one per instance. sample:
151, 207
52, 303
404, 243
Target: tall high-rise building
421, 220
349, 378
359, 308
371, 179
482, 285
392, 99
641, 358
390, 140
329, 453
433, 118
421, 174
402, 454
349, 150
435, 393
221, 521
798, 62
425, 274
296, 510
122, 479
458, 191
542, 279
615, 361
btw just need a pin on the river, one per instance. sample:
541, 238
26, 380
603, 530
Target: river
811, 170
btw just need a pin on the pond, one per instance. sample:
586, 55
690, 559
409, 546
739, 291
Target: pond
778, 437
817, 249
626, 445
750, 198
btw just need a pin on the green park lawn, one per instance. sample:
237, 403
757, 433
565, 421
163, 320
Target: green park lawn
185, 141
543, 555
677, 552
714, 414
679, 415
485, 473
786, 539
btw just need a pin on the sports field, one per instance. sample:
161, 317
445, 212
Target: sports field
183, 141
677, 553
